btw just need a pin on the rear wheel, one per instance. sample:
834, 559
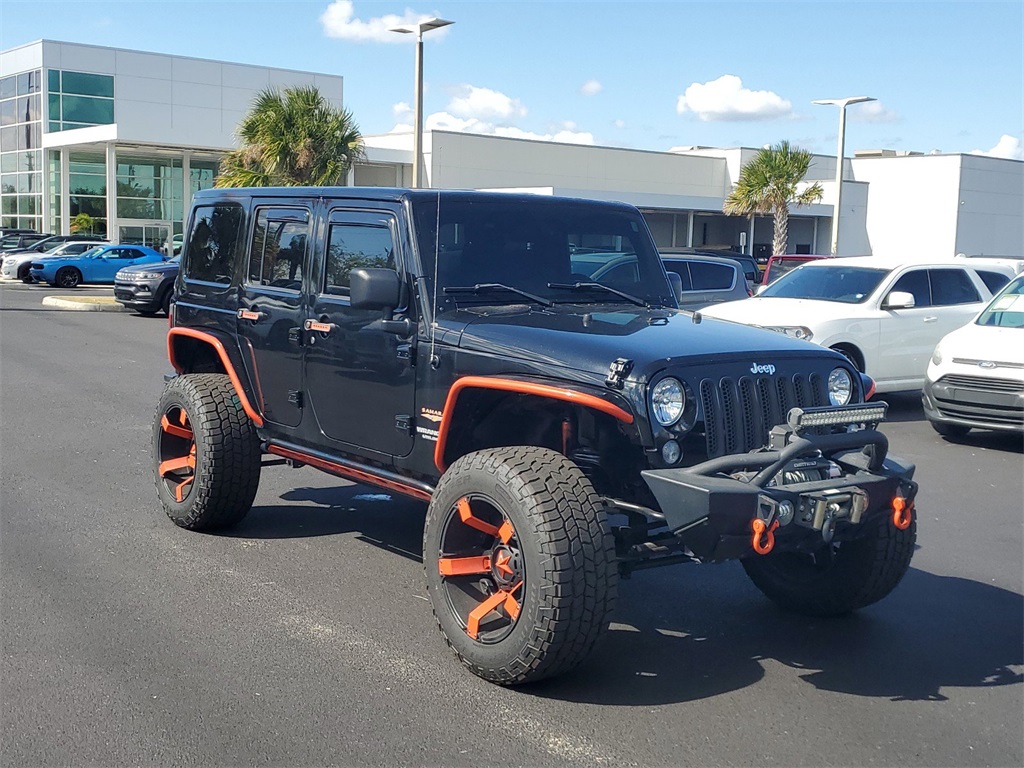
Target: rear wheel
520, 563
839, 577
206, 453
67, 277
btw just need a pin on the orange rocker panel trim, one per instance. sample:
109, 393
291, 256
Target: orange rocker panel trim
522, 387
222, 353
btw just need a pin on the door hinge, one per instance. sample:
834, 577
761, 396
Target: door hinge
295, 336
403, 423
295, 397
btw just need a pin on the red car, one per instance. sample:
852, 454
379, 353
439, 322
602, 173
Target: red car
779, 265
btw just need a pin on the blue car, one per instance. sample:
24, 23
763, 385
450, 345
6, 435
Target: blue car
97, 265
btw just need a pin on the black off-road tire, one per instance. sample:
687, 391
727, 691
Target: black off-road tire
570, 573
952, 431
226, 452
67, 277
842, 577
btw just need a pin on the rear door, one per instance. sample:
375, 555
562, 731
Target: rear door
359, 378
271, 309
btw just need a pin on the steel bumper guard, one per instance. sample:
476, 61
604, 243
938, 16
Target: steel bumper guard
734, 505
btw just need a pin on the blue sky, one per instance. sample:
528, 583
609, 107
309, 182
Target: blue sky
948, 76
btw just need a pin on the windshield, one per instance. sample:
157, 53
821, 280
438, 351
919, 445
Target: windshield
551, 249
1006, 310
848, 285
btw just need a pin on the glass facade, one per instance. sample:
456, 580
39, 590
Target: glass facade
21, 158
87, 187
79, 99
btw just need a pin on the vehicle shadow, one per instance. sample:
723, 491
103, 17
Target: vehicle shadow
932, 633
381, 519
996, 441
687, 633
903, 406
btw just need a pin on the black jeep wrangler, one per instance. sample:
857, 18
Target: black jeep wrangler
519, 363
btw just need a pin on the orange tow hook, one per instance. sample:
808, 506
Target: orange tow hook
763, 540
901, 509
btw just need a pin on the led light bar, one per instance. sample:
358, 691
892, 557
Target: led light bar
862, 413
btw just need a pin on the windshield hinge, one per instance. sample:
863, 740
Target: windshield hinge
618, 371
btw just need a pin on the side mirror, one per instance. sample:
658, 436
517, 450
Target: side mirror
677, 285
760, 289
898, 300
374, 289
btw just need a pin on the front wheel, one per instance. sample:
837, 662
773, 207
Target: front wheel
67, 277
206, 453
23, 273
839, 577
520, 563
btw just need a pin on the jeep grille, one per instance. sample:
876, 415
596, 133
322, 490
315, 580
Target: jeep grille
738, 413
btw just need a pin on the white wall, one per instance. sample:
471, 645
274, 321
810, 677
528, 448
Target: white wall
912, 203
991, 207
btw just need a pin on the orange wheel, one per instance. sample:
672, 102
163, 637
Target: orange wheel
176, 453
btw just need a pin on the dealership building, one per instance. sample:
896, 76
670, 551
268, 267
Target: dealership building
128, 137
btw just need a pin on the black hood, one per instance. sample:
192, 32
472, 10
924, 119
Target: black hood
565, 336
159, 266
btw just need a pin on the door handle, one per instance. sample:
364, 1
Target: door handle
931, 319
319, 327
253, 315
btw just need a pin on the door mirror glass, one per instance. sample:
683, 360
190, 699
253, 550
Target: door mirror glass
374, 288
899, 300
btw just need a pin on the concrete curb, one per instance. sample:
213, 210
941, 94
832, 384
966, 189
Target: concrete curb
84, 303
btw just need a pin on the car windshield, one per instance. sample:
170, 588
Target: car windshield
848, 285
560, 251
1006, 310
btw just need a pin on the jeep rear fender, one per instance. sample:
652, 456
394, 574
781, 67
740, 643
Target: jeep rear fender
191, 351
585, 397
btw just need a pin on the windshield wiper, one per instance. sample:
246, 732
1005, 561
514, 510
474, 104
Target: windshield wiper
584, 286
484, 287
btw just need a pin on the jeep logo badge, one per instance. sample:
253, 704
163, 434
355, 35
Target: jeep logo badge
769, 369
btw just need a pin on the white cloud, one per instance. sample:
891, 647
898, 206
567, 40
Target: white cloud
470, 101
565, 136
591, 88
620, 124
1008, 147
872, 112
725, 99
339, 21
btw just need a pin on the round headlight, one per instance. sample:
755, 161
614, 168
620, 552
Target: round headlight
667, 401
840, 387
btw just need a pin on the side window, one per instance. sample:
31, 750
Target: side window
354, 246
711, 277
278, 249
994, 281
952, 286
679, 267
213, 243
915, 282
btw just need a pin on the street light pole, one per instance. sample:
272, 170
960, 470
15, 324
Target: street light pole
842, 104
417, 136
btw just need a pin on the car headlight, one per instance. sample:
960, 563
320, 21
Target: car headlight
667, 401
144, 276
840, 387
937, 355
794, 331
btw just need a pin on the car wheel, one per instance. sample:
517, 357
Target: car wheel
850, 355
952, 431
67, 277
165, 303
23, 273
840, 577
206, 454
520, 563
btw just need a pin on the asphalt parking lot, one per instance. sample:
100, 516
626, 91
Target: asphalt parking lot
304, 637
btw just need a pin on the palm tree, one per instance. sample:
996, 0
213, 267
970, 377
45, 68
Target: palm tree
767, 184
294, 138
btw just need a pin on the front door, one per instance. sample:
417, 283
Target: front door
359, 378
270, 311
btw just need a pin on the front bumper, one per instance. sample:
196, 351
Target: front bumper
138, 295
970, 401
713, 507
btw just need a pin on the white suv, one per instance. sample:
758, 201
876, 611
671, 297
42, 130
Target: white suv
884, 314
16, 265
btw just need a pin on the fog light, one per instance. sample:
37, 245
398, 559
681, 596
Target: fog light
671, 452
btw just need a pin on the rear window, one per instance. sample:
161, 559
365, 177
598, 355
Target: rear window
213, 243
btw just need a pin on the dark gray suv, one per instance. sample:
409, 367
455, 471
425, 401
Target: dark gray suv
707, 280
